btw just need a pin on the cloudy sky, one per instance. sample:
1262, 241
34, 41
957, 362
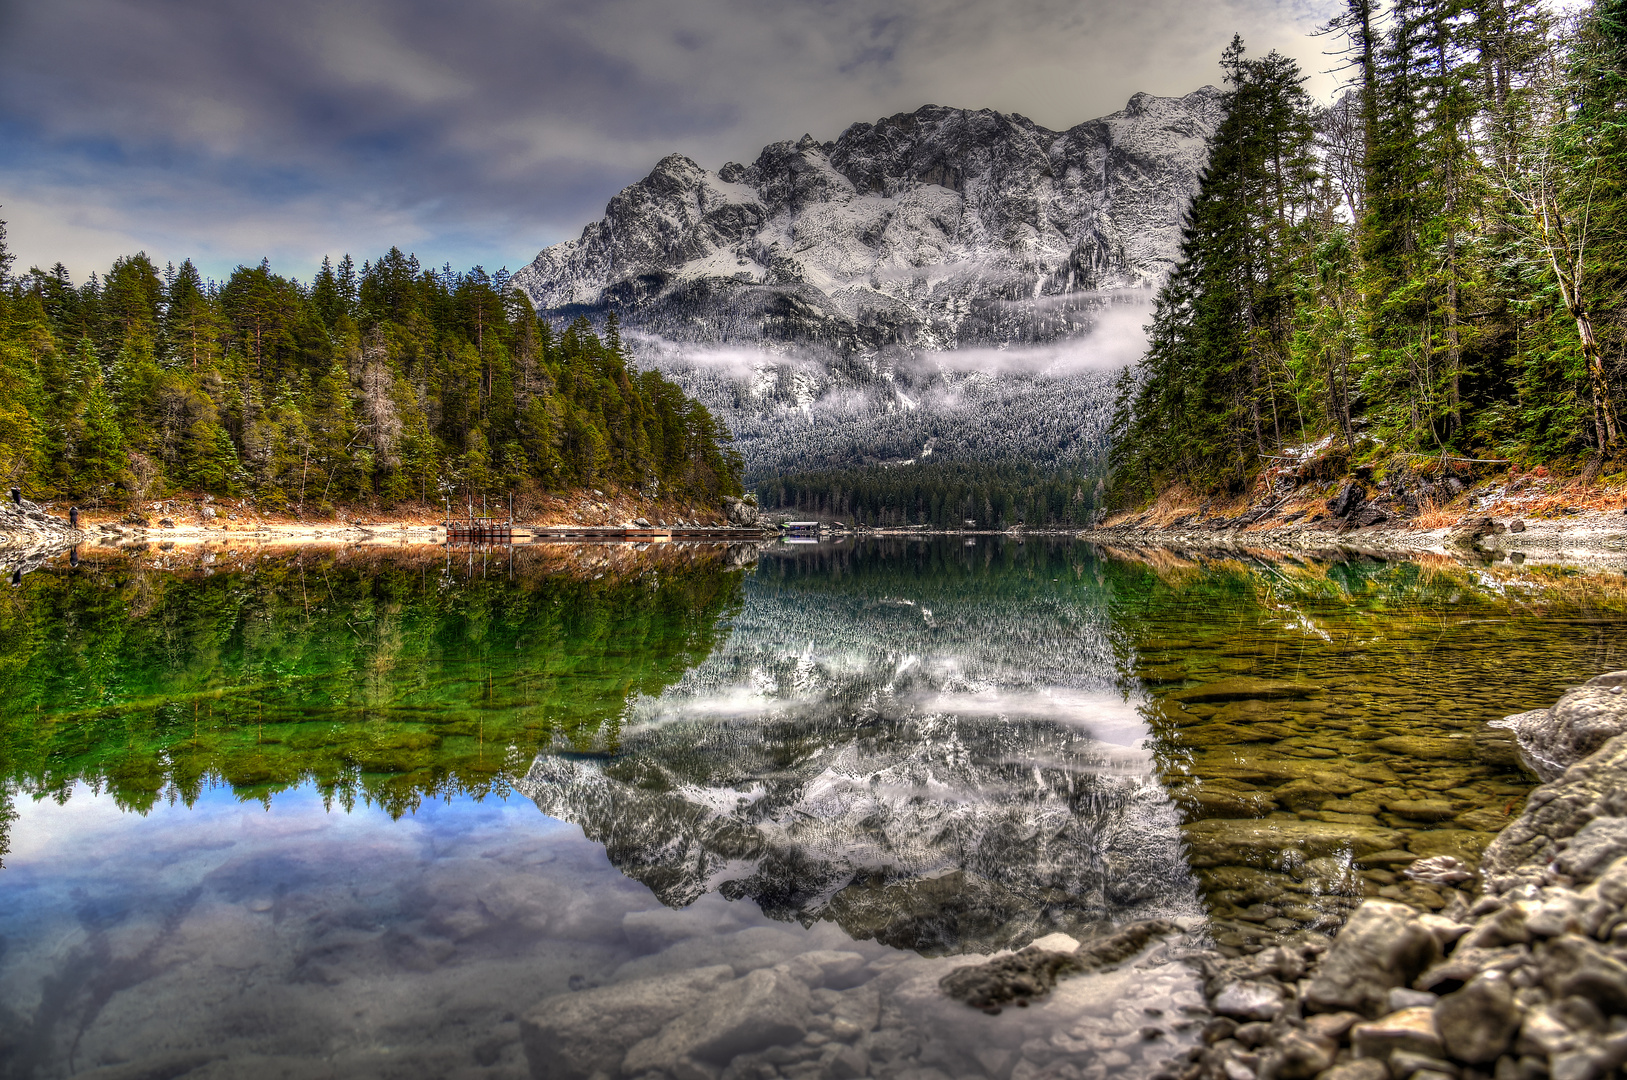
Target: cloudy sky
482, 130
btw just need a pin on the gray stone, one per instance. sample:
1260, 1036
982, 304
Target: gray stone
1248, 1000
845, 1063
1567, 912
1544, 1031
1299, 1055
1467, 533
1360, 1069
1594, 847
742, 512
766, 1008
1403, 1063
1505, 927
1440, 870
1349, 497
1403, 997
829, 968
1497, 746
1551, 740
1593, 788
575, 1036
1611, 886
1383, 946
1591, 1062
1410, 1030
1332, 1025
1572, 964
1478, 1022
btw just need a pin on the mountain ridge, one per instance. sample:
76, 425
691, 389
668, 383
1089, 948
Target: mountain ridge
947, 282
932, 229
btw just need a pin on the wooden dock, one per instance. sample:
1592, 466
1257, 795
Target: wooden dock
480, 531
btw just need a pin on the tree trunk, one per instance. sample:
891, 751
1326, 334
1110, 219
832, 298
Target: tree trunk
1604, 410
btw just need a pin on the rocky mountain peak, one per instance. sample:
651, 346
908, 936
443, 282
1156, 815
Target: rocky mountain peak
920, 229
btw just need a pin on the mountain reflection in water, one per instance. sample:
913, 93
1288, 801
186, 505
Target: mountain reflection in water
928, 746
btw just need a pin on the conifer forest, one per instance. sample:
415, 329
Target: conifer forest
387, 383
1435, 264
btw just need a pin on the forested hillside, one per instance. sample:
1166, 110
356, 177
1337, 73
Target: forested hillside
388, 383
943, 494
1437, 263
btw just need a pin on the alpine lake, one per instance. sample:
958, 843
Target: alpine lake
708, 811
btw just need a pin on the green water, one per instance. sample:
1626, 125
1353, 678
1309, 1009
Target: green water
387, 677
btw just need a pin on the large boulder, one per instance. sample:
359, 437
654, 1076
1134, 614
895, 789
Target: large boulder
1383, 946
742, 512
579, 1035
1467, 533
1477, 1023
1350, 496
1555, 813
1552, 740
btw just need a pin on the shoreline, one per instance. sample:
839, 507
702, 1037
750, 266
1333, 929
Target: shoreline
1589, 538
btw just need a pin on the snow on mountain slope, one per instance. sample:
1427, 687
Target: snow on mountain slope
813, 286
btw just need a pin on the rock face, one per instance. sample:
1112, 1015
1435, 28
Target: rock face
1552, 740
932, 229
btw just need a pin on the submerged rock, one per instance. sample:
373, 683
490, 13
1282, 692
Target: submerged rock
766, 1008
1478, 1023
1244, 688
1247, 1000
580, 1035
1032, 972
1221, 842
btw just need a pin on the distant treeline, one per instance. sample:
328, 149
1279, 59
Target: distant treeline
389, 382
945, 494
1436, 262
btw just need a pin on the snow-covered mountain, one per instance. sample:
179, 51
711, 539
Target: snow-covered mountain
844, 270
928, 229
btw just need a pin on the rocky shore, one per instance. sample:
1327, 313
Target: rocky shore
1593, 537
1528, 981
28, 532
